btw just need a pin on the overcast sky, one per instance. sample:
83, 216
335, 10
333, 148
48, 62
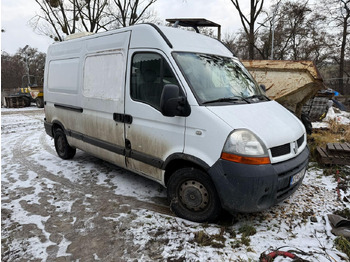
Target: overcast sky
15, 15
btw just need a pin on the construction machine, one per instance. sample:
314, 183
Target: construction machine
29, 92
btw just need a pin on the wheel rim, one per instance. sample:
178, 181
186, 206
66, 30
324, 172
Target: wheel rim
194, 195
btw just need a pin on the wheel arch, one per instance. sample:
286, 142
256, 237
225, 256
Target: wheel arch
57, 125
180, 160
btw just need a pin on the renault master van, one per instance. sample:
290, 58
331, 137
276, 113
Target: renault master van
179, 108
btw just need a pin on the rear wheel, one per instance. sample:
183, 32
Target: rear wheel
39, 102
27, 101
63, 149
192, 195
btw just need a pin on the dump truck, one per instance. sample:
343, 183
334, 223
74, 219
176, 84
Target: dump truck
29, 92
291, 83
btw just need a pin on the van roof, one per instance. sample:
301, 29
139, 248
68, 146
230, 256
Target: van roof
177, 40
164, 38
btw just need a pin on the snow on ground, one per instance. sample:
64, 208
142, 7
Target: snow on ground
287, 224
20, 110
85, 209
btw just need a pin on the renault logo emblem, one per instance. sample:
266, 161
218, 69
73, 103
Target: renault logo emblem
295, 147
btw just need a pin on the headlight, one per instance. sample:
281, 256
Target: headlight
245, 147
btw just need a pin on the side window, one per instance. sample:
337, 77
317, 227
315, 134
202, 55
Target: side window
150, 72
62, 76
104, 76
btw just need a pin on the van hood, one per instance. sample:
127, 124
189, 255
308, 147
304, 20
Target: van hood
270, 121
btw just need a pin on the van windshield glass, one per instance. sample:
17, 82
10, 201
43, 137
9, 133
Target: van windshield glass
216, 79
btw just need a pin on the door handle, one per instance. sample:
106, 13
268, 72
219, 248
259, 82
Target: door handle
123, 118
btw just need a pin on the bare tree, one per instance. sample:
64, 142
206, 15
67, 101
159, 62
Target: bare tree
12, 70
292, 29
36, 62
250, 22
59, 18
65, 17
339, 13
237, 43
299, 33
132, 11
14, 67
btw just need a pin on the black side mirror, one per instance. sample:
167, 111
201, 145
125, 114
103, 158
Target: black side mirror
172, 103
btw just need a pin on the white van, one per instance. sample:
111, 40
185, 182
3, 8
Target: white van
179, 108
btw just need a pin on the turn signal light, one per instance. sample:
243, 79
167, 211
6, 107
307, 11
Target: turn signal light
245, 159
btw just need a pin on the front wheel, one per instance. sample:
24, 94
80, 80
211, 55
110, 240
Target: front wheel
63, 149
192, 195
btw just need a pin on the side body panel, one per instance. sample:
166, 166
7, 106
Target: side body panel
85, 91
205, 135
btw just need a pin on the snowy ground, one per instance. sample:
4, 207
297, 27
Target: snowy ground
88, 210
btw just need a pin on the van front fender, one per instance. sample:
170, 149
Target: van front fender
180, 160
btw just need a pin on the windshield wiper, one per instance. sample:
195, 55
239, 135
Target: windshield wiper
226, 99
260, 97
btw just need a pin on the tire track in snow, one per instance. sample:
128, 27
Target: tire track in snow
20, 156
83, 220
45, 145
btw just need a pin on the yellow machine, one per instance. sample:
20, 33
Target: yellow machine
32, 91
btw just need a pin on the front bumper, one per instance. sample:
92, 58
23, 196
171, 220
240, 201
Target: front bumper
252, 188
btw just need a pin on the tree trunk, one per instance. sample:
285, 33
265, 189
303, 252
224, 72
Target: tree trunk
342, 54
251, 37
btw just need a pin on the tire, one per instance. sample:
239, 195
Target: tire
27, 101
63, 149
192, 195
39, 102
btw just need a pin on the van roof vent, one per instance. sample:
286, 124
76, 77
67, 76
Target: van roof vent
77, 35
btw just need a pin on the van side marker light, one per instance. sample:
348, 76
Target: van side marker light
245, 159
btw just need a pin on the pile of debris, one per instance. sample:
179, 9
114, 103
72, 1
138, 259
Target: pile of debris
336, 152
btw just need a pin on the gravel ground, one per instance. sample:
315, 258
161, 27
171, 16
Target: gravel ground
86, 209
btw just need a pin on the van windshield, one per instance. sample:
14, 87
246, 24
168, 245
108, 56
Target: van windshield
216, 79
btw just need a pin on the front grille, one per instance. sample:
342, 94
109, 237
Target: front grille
280, 150
300, 141
286, 148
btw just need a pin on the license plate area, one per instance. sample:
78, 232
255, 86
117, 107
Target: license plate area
294, 179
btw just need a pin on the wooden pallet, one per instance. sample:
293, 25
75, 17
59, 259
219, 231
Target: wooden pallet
334, 154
